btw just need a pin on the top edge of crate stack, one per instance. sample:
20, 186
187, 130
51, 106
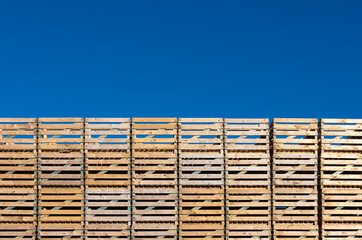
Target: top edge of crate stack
341, 135
295, 135
246, 135
201, 136
107, 134
154, 135
60, 135
18, 134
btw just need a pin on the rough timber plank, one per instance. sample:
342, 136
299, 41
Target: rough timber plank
18, 134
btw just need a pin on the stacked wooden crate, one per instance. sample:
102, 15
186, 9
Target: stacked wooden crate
248, 194
341, 178
60, 180
295, 177
108, 178
154, 169
201, 178
18, 183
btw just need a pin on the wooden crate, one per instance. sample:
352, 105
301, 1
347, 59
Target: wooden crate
248, 204
107, 152
342, 204
295, 169
296, 230
108, 206
61, 134
201, 154
341, 169
341, 135
103, 231
201, 230
18, 134
61, 205
155, 204
247, 156
17, 231
201, 211
18, 168
154, 151
18, 205
342, 230
107, 134
154, 230
295, 204
246, 230
51, 231
295, 134
60, 169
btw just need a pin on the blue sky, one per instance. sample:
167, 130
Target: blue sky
181, 58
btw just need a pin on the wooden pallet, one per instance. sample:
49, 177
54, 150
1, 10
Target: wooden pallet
107, 152
154, 230
201, 206
17, 231
61, 134
103, 231
248, 204
108, 206
60, 169
201, 154
108, 169
107, 134
296, 230
296, 134
244, 135
295, 204
61, 205
51, 231
18, 205
341, 168
155, 204
347, 230
201, 230
154, 151
18, 134
295, 169
245, 230
341, 135
154, 134
18, 168
342, 204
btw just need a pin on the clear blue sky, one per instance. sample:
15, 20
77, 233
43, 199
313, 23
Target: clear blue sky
181, 58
